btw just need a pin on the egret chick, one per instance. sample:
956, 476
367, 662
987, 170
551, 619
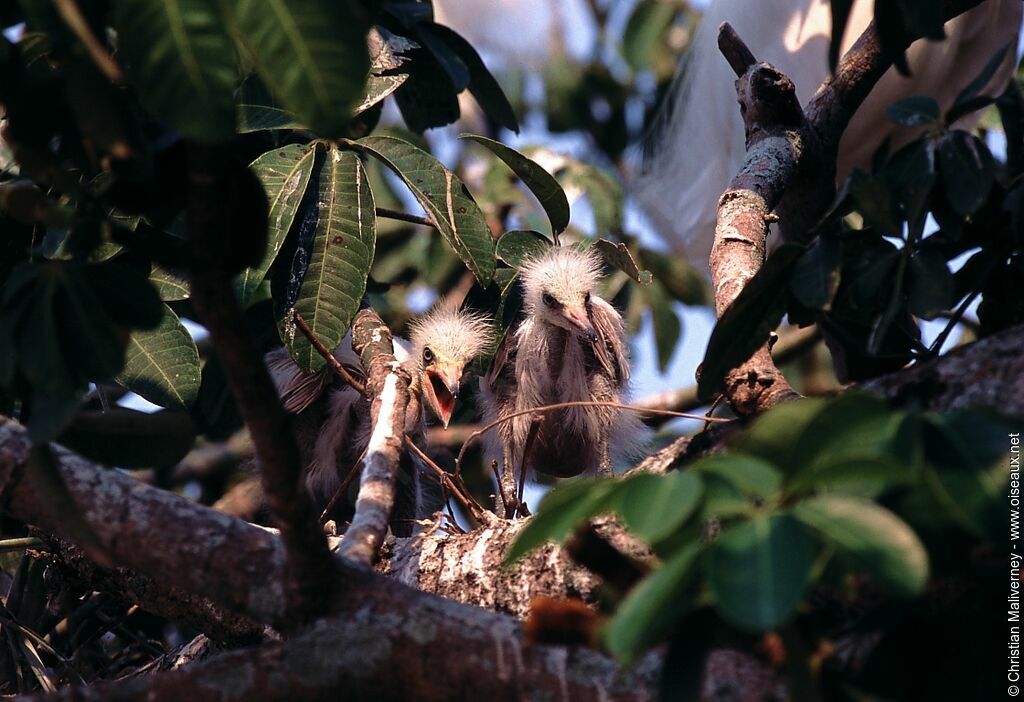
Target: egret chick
569, 347
332, 423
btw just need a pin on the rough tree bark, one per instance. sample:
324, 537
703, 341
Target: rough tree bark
789, 173
381, 638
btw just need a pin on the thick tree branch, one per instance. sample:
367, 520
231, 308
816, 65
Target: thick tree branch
388, 384
789, 168
382, 638
310, 563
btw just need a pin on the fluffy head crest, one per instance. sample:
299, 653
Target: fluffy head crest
565, 273
452, 335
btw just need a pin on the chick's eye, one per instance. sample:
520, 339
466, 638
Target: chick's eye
428, 355
586, 299
548, 300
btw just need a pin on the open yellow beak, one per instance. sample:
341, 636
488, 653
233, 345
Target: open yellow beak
441, 389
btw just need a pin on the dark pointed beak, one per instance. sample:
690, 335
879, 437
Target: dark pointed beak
579, 318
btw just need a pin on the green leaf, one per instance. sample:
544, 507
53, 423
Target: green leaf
169, 286
752, 476
284, 173
758, 571
914, 111
162, 364
982, 79
967, 171
445, 199
644, 29
605, 194
482, 85
654, 506
774, 435
128, 438
518, 246
879, 542
560, 512
312, 54
541, 183
667, 327
182, 61
744, 327
867, 475
342, 252
652, 607
930, 284
912, 171
816, 275
618, 255
681, 280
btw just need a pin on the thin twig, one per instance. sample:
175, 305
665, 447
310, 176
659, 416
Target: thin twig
18, 544
465, 499
76, 22
352, 472
333, 362
577, 403
404, 217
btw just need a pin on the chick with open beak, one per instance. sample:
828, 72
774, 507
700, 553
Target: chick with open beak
570, 347
332, 423
443, 344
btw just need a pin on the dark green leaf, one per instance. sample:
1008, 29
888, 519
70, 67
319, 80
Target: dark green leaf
654, 506
127, 438
981, 80
339, 262
541, 183
162, 364
967, 171
520, 245
445, 199
652, 607
169, 286
482, 85
183, 63
816, 275
667, 326
912, 171
454, 66
774, 435
914, 111
751, 476
681, 280
878, 541
758, 571
868, 475
312, 54
923, 18
619, 255
744, 327
560, 512
645, 28
284, 173
930, 284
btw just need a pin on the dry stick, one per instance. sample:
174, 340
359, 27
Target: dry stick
333, 362
404, 217
312, 569
352, 472
79, 26
562, 405
445, 480
531, 438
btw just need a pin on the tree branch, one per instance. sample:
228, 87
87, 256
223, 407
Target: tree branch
790, 167
381, 639
388, 385
310, 563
